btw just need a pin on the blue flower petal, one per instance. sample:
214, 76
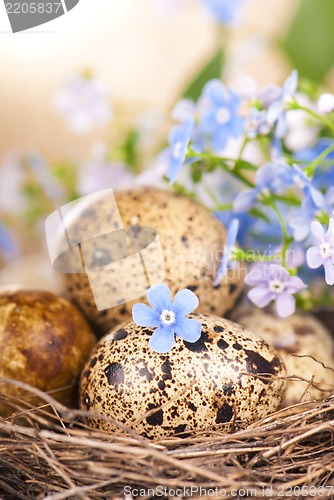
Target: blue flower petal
174, 167
159, 297
162, 340
232, 232
245, 200
219, 138
214, 90
185, 302
188, 329
145, 316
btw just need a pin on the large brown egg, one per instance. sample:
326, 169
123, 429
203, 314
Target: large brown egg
228, 379
44, 342
192, 241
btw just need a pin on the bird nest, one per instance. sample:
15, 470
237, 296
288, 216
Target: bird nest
47, 451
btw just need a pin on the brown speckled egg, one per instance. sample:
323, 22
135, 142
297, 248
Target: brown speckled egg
228, 378
44, 342
307, 349
192, 241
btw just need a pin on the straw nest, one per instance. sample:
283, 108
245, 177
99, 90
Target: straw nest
46, 451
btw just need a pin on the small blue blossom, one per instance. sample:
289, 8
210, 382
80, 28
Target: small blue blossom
184, 110
300, 222
8, 247
300, 180
179, 138
322, 254
84, 102
245, 220
276, 177
169, 318
256, 123
277, 110
270, 178
308, 211
225, 11
220, 119
324, 175
231, 237
273, 283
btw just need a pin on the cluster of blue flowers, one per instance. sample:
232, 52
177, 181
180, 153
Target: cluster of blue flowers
273, 195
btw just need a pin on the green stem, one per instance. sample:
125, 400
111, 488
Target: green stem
312, 166
286, 238
250, 256
315, 115
242, 149
221, 163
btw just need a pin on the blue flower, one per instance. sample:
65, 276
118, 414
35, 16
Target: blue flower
271, 177
277, 110
324, 175
276, 177
246, 221
256, 123
8, 247
84, 102
309, 154
273, 282
169, 318
220, 118
225, 11
300, 180
179, 138
301, 222
322, 254
231, 237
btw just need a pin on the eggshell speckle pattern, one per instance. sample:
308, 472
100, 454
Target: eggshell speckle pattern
228, 378
307, 349
192, 241
44, 342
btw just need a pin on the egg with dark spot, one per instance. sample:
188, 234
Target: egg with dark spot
306, 347
192, 241
44, 342
228, 379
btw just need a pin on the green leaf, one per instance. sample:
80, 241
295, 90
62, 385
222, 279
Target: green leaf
130, 150
212, 69
310, 39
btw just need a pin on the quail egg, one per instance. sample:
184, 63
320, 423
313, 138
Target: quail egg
44, 342
192, 241
307, 349
229, 378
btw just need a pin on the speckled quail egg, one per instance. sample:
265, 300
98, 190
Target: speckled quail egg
306, 347
192, 241
229, 377
44, 342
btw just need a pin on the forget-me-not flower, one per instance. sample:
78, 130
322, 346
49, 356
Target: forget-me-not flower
277, 110
225, 11
295, 177
231, 237
273, 283
301, 222
220, 116
270, 178
84, 102
256, 123
322, 254
179, 139
168, 317
8, 247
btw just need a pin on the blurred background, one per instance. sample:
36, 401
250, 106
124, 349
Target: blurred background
92, 100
